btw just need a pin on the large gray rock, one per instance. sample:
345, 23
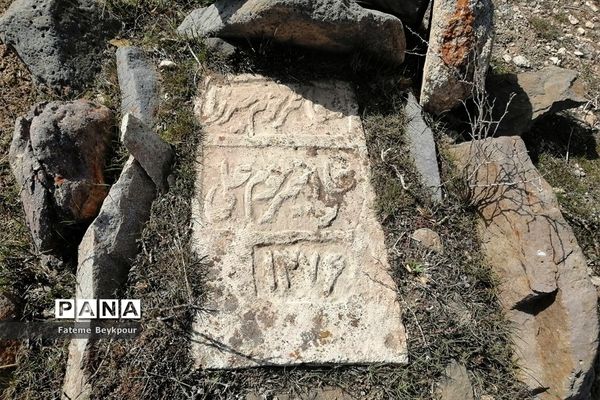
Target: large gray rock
154, 154
422, 148
460, 46
544, 286
328, 25
411, 12
61, 41
138, 80
532, 95
57, 155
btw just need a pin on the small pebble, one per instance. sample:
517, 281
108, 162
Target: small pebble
573, 20
555, 60
521, 61
167, 64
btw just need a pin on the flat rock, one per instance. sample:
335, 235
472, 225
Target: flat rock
327, 25
57, 155
428, 239
532, 95
544, 287
154, 154
422, 148
326, 393
411, 12
138, 80
60, 41
456, 384
220, 46
460, 46
284, 215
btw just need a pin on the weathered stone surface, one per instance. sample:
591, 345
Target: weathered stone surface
428, 239
410, 12
138, 80
460, 46
60, 41
545, 289
105, 254
326, 393
110, 243
327, 25
422, 148
283, 212
154, 154
536, 94
457, 384
220, 46
57, 156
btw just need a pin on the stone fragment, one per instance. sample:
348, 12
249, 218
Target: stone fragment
167, 64
326, 25
521, 61
544, 286
154, 154
422, 148
284, 215
105, 254
410, 12
111, 242
326, 393
220, 46
428, 239
536, 94
460, 46
138, 81
60, 41
457, 384
57, 155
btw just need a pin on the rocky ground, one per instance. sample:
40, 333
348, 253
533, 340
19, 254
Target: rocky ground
452, 312
552, 33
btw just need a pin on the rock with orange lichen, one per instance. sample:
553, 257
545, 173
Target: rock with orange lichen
58, 155
460, 45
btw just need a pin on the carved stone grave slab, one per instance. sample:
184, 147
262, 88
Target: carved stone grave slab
283, 213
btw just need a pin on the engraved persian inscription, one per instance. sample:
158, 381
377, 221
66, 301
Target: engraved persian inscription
280, 188
283, 214
301, 270
252, 107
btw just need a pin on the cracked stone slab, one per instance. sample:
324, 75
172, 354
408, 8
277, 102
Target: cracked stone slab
283, 211
544, 285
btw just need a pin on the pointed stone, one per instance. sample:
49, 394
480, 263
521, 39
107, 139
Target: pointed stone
460, 46
138, 80
154, 154
422, 148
